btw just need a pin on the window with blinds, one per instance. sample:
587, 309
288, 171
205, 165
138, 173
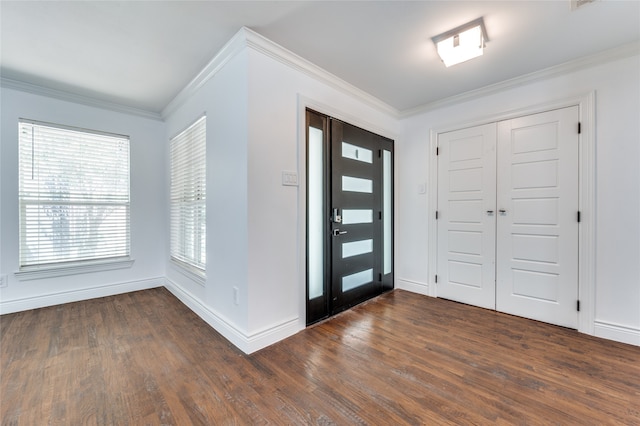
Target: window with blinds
73, 195
188, 197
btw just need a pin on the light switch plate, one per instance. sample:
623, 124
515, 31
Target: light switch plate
289, 178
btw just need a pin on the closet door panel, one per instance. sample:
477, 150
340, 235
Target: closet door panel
466, 215
537, 228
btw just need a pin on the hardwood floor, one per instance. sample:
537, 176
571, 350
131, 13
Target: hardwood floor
144, 358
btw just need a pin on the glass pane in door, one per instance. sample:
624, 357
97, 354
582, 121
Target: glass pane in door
315, 213
355, 248
358, 279
357, 153
387, 213
353, 184
353, 216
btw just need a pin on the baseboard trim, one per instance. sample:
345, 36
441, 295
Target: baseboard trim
602, 329
413, 286
246, 342
41, 301
617, 332
272, 334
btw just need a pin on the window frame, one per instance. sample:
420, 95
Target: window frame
41, 265
193, 200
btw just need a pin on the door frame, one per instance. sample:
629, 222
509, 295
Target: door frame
304, 103
586, 195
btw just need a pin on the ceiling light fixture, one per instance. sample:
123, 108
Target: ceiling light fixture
462, 43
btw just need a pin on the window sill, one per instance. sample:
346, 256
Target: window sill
38, 273
190, 272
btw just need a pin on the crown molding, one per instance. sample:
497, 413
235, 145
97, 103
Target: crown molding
228, 51
35, 89
609, 55
263, 45
247, 38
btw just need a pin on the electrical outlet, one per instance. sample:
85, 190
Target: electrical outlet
4, 281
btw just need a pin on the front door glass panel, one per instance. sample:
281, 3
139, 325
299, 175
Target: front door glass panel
357, 153
315, 196
353, 216
387, 213
354, 184
355, 248
358, 279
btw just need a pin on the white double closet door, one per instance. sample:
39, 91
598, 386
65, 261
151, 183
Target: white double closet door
507, 216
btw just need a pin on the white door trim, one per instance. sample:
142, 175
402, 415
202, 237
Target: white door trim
586, 188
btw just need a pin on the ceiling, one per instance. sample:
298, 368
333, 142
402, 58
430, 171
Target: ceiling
140, 54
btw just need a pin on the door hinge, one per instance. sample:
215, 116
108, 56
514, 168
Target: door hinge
436, 214
578, 306
437, 150
436, 278
379, 215
380, 277
579, 216
579, 127
379, 153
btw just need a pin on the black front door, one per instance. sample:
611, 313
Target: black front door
349, 215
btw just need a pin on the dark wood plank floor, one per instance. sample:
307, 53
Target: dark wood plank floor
144, 358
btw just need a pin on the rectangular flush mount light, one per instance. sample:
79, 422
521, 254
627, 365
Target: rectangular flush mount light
462, 43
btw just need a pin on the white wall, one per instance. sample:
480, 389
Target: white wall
617, 192
254, 104
147, 203
224, 100
278, 95
255, 226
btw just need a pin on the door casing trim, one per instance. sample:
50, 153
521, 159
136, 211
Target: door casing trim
586, 195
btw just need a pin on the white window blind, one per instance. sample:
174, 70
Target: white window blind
188, 197
73, 195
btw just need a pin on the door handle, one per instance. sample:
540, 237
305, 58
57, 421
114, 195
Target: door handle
337, 232
502, 211
489, 211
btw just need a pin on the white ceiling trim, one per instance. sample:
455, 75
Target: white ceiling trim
228, 51
264, 45
621, 52
78, 99
246, 37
